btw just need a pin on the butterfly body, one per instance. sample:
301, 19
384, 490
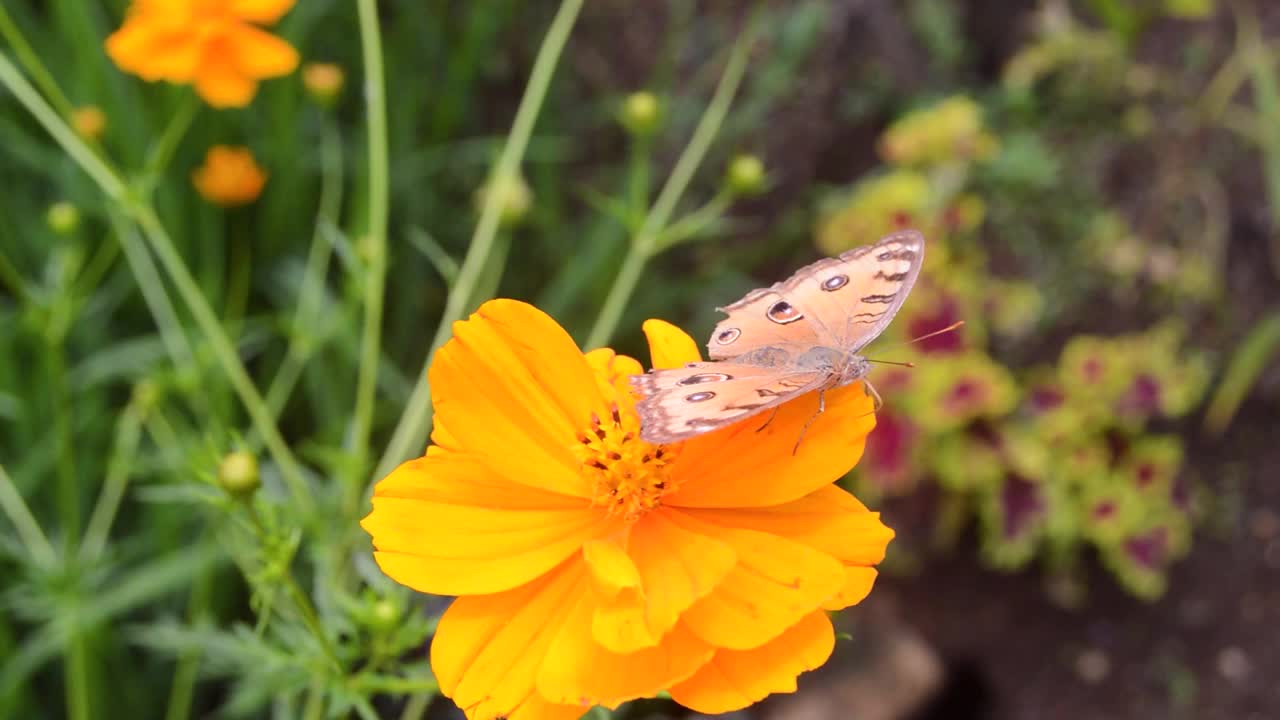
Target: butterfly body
794, 337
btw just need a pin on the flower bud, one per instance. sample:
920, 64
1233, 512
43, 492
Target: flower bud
324, 82
63, 218
641, 113
383, 614
746, 175
514, 199
89, 121
238, 474
145, 395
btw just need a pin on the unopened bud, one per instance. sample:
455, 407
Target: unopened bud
324, 82
89, 121
238, 474
63, 218
746, 175
514, 199
641, 113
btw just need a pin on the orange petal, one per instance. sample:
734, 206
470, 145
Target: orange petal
611, 568
460, 479
735, 679
513, 388
743, 466
259, 54
264, 12
613, 372
857, 586
155, 52
775, 583
221, 85
536, 708
487, 648
669, 346
426, 540
577, 669
828, 519
676, 566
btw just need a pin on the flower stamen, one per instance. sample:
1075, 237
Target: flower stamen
630, 474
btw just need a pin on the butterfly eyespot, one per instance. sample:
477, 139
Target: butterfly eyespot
783, 312
704, 378
728, 336
699, 396
835, 282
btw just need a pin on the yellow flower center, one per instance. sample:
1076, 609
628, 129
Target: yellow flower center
630, 474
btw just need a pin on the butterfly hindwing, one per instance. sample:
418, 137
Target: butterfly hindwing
682, 402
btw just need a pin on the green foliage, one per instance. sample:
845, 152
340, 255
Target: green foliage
194, 400
151, 338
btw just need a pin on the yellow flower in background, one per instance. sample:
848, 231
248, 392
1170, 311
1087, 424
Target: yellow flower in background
215, 45
591, 567
229, 177
89, 121
948, 131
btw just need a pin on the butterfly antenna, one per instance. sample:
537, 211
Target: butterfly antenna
953, 326
891, 362
926, 336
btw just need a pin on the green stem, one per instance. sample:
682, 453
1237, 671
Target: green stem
31, 61
417, 706
314, 708
311, 619
11, 277
76, 673
95, 269
24, 522
645, 243
162, 152
128, 432
696, 221
225, 351
57, 126
154, 293
184, 677
68, 484
301, 342
300, 601
411, 431
375, 241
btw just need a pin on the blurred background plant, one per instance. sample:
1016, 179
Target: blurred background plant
216, 321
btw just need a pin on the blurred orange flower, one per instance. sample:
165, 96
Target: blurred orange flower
229, 177
214, 44
592, 567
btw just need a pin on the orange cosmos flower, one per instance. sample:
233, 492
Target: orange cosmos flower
214, 44
229, 177
592, 567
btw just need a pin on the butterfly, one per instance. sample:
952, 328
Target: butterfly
780, 342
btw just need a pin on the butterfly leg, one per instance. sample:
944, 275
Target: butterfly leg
766, 424
822, 407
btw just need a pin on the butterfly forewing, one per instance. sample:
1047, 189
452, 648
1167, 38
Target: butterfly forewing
683, 402
842, 302
860, 291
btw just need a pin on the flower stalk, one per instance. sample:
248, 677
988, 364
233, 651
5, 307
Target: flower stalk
411, 431
646, 242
